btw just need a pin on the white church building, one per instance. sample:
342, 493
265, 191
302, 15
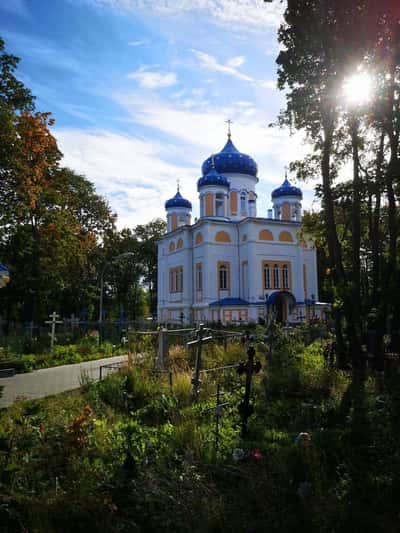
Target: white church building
230, 265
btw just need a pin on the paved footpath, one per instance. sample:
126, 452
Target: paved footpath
48, 381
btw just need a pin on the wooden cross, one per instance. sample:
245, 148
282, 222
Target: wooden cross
198, 344
249, 368
53, 323
74, 321
229, 122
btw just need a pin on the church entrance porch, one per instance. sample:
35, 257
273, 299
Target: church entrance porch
281, 304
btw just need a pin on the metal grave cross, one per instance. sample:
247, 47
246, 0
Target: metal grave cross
198, 344
53, 323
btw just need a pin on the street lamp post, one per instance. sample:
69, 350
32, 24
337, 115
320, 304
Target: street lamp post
107, 264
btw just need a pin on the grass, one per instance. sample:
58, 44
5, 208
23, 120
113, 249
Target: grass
134, 453
87, 350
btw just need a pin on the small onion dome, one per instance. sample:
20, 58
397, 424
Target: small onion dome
286, 189
213, 178
178, 201
230, 160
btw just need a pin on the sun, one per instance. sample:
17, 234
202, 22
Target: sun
358, 88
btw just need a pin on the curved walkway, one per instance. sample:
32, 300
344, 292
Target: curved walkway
48, 381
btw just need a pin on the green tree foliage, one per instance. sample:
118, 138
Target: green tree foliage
56, 232
325, 43
148, 235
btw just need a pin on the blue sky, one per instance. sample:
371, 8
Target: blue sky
141, 89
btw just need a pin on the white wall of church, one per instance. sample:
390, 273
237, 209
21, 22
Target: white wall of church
245, 254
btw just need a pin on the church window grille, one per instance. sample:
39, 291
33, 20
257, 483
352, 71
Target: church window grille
176, 279
243, 202
267, 276
223, 278
276, 277
285, 277
219, 205
180, 280
199, 277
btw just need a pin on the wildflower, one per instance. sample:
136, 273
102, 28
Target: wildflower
256, 454
238, 454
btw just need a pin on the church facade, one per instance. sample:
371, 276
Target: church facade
230, 265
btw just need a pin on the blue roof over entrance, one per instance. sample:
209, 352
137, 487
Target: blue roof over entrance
274, 296
230, 301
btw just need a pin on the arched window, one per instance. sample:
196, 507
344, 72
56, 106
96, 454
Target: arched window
223, 277
285, 236
265, 235
198, 239
199, 277
219, 205
179, 244
202, 205
276, 277
180, 280
176, 279
285, 276
243, 202
267, 276
222, 236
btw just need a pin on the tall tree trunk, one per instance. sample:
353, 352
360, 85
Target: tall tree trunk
328, 203
335, 255
391, 293
375, 233
354, 320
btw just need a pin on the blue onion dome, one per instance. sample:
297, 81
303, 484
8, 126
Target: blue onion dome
230, 160
178, 201
286, 189
213, 178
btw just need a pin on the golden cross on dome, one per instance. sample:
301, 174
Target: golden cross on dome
229, 122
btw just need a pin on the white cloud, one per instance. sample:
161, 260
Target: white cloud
152, 79
209, 62
244, 103
141, 42
236, 61
240, 14
203, 130
138, 175
267, 84
132, 173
